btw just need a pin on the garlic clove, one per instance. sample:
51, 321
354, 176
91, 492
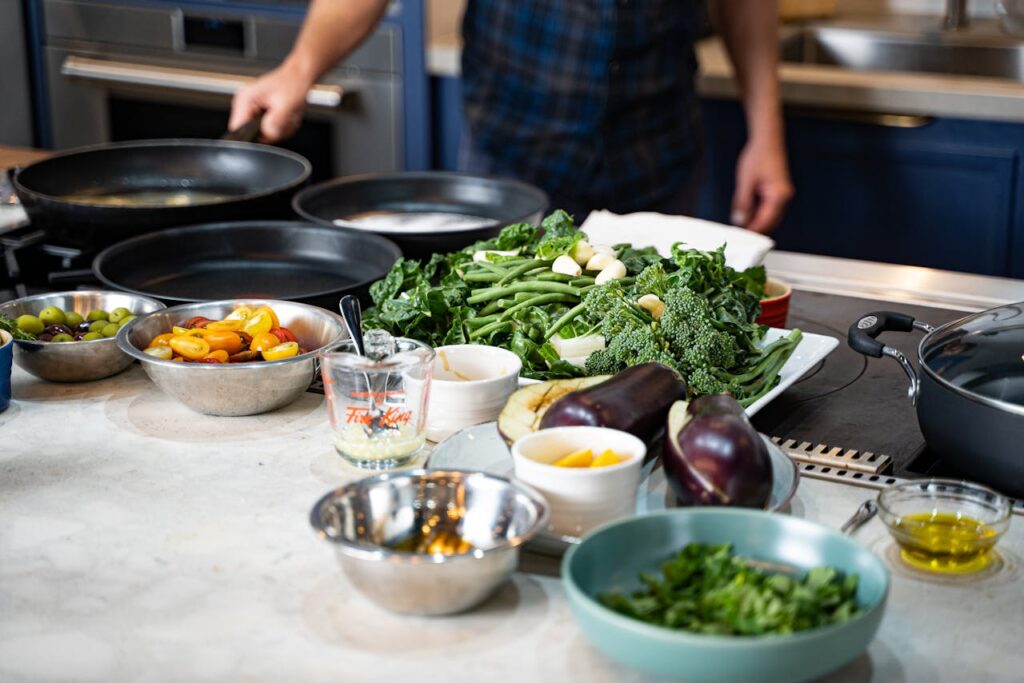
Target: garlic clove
566, 265
600, 261
652, 304
613, 271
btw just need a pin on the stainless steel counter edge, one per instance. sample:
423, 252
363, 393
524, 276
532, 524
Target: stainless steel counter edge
893, 283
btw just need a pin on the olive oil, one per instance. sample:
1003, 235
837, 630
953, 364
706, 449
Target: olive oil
944, 542
434, 541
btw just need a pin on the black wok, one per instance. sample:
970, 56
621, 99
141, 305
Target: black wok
394, 197
969, 391
261, 259
221, 180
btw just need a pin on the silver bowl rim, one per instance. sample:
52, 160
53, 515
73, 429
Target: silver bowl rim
381, 553
125, 344
160, 306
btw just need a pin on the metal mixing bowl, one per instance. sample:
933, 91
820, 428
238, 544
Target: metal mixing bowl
235, 389
80, 361
365, 520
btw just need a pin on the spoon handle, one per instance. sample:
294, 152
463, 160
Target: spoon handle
866, 511
353, 315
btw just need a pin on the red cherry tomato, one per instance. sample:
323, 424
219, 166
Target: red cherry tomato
284, 334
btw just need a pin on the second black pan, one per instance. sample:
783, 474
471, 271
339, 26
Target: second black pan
261, 259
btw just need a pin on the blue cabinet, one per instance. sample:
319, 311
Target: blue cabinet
945, 194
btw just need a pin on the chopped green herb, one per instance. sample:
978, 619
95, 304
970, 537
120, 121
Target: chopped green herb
706, 589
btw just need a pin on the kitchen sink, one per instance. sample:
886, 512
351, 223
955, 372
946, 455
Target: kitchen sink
983, 50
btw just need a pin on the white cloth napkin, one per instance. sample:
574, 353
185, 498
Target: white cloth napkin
743, 248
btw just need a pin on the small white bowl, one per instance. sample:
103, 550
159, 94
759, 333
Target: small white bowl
471, 384
581, 498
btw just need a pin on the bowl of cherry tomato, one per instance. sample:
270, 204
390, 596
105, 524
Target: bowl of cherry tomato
235, 357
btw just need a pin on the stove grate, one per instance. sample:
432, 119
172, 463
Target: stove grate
833, 456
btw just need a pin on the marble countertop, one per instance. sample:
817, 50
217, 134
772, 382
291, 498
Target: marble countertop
143, 542
811, 86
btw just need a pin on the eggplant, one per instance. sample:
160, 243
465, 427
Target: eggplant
714, 456
636, 401
526, 406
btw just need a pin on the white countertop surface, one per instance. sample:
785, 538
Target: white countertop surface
143, 542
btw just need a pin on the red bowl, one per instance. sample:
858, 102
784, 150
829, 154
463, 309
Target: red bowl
775, 304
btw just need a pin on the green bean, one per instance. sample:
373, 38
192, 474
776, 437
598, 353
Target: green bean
481, 277
523, 268
539, 300
563, 321
532, 286
490, 329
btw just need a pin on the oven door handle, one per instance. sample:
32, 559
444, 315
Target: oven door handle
110, 72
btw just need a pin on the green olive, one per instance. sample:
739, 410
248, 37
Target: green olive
127, 319
110, 330
51, 315
98, 325
89, 336
62, 338
96, 315
119, 314
30, 324
72, 319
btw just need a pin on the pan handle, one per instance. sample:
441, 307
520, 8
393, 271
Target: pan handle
247, 132
862, 339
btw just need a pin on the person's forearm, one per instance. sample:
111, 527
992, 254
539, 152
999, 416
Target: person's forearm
750, 32
333, 29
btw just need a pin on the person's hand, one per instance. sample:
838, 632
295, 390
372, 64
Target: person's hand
281, 96
763, 187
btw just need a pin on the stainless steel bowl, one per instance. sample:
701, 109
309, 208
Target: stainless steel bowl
367, 519
235, 389
80, 361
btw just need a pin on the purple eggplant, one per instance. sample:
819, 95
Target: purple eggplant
714, 456
636, 401
54, 330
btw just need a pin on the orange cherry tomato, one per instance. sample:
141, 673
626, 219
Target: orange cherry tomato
281, 351
160, 340
178, 359
263, 341
284, 334
260, 321
228, 341
161, 352
192, 348
224, 326
219, 355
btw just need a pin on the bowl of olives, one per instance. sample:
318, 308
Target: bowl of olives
71, 336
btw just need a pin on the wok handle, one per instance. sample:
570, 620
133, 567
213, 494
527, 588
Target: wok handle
83, 276
862, 338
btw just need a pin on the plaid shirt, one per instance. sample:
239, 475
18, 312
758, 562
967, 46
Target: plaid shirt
592, 100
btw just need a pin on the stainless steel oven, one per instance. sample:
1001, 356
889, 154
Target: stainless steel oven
121, 70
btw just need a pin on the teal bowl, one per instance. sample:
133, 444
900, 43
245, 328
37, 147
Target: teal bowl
611, 557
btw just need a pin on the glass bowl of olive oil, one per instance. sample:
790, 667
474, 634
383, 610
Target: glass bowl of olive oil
944, 525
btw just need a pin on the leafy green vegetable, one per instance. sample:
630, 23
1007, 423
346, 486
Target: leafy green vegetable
706, 589
12, 327
516, 302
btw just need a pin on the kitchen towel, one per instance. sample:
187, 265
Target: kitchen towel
743, 248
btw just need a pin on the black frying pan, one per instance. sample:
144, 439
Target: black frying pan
260, 259
221, 179
487, 204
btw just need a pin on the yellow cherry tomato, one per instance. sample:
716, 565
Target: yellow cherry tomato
228, 341
218, 354
178, 359
270, 312
160, 340
187, 332
161, 352
240, 313
260, 321
224, 326
263, 341
281, 351
192, 348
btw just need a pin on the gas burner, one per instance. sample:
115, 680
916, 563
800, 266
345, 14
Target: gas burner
34, 264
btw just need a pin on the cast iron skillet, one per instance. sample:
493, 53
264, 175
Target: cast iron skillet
246, 180
501, 201
286, 260
969, 390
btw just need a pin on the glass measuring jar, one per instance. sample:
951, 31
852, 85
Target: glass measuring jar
377, 403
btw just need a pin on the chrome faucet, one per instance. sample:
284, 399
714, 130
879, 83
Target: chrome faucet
956, 15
